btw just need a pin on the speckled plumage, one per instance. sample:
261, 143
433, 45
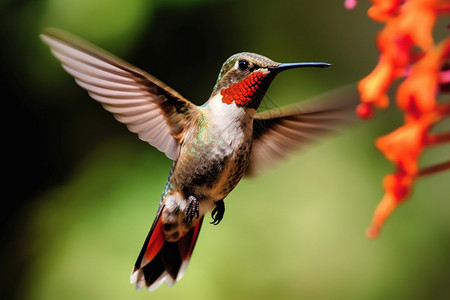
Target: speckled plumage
212, 146
213, 158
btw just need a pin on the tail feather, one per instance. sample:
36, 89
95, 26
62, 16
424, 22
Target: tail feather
161, 261
187, 242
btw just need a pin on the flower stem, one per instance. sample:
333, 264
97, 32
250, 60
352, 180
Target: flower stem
434, 169
434, 139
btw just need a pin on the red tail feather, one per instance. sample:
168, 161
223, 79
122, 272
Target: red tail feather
186, 243
156, 241
161, 261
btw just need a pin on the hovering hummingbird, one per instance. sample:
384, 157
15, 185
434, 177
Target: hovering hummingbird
212, 146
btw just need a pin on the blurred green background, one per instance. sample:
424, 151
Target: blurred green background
81, 191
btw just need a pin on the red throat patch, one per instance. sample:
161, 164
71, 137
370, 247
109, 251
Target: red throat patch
241, 92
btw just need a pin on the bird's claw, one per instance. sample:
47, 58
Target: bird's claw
218, 212
192, 209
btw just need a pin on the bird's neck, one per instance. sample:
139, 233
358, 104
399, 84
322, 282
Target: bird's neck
232, 123
224, 114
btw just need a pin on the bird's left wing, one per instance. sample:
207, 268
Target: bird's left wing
278, 132
148, 107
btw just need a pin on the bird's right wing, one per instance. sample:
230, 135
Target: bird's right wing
278, 132
148, 107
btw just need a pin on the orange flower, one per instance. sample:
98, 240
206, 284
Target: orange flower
404, 146
416, 95
408, 26
382, 10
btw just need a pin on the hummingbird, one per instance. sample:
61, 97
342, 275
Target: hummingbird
212, 146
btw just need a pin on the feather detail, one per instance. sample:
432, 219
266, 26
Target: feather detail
161, 261
278, 132
149, 108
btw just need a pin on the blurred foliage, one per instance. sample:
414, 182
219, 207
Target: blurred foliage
85, 190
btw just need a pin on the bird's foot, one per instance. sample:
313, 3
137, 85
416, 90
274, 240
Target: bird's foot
192, 209
218, 212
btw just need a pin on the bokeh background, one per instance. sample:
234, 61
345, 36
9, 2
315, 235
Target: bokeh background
81, 191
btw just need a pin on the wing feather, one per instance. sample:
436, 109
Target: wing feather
144, 104
278, 132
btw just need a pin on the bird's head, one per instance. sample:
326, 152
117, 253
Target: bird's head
245, 77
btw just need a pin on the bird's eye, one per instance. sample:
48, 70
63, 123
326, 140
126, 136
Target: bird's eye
243, 65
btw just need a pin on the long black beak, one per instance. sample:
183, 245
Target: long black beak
287, 66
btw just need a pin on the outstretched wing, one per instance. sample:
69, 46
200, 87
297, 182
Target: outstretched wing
144, 104
278, 132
